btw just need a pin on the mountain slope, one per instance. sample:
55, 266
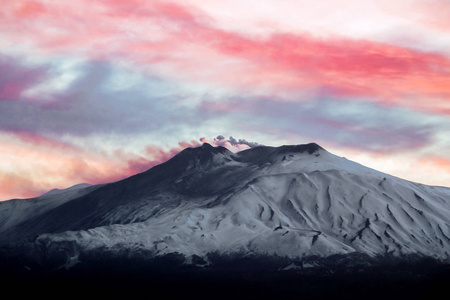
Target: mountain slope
292, 201
16, 211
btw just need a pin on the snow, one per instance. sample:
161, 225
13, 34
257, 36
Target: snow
15, 211
295, 204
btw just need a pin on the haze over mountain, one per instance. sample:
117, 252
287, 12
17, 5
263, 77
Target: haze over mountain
291, 201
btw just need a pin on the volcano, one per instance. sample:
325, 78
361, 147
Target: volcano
299, 207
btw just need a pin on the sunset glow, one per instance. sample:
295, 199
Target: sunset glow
95, 91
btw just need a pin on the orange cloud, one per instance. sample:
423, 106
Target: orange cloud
16, 186
41, 163
442, 163
184, 44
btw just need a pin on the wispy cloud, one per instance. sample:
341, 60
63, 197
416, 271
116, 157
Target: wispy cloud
15, 78
92, 91
338, 122
89, 106
179, 39
38, 164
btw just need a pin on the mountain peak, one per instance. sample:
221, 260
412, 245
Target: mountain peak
310, 148
205, 149
206, 146
264, 154
202, 156
293, 201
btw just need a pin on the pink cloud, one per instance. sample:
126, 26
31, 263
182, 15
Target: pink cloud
16, 186
16, 78
187, 39
352, 68
183, 43
181, 39
30, 9
47, 163
39, 140
433, 14
439, 162
43, 163
438, 12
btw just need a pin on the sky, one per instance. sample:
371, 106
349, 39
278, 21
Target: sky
93, 91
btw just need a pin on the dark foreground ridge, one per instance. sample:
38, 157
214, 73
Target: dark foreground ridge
236, 277
271, 218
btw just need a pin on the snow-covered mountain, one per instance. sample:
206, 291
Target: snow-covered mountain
291, 201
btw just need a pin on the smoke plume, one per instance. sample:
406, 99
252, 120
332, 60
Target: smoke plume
221, 141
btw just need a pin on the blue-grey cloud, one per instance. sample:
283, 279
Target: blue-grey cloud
91, 105
332, 121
